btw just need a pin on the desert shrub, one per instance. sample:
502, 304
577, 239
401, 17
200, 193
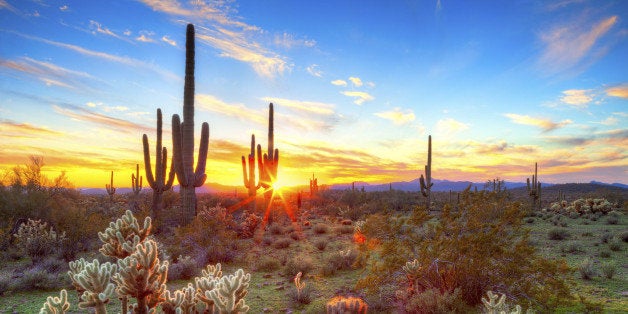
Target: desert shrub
612, 220
300, 263
267, 264
185, 268
558, 234
606, 236
530, 220
614, 245
268, 240
572, 248
623, 236
248, 225
434, 301
36, 278
328, 270
321, 228
345, 229
53, 265
605, 253
275, 229
587, 269
480, 245
608, 269
282, 243
321, 244
587, 234
563, 224
295, 236
574, 215
341, 259
37, 241
301, 293
5, 282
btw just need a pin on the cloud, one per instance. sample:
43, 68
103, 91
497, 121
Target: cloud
105, 56
288, 41
240, 111
116, 124
620, 91
50, 74
360, 97
169, 41
339, 82
579, 98
5, 5
310, 107
546, 125
568, 45
357, 82
145, 37
64, 8
102, 30
450, 126
314, 71
397, 116
14, 129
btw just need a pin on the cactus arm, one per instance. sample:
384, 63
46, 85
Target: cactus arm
199, 174
244, 178
177, 153
147, 165
260, 167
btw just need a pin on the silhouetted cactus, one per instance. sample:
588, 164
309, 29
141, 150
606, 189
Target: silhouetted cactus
183, 140
426, 182
534, 188
110, 189
136, 180
270, 164
158, 182
249, 180
313, 186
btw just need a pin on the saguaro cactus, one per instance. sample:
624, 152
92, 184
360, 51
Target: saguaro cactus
110, 189
270, 162
158, 182
426, 182
183, 140
313, 186
534, 188
249, 180
136, 180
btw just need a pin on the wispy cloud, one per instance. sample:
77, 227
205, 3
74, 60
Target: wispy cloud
105, 56
449, 126
579, 98
289, 41
5, 5
314, 70
310, 107
360, 97
397, 116
50, 74
339, 82
82, 114
357, 82
240, 111
169, 41
14, 129
618, 91
545, 124
98, 28
145, 37
64, 8
566, 46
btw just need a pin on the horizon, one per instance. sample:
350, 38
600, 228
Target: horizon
497, 86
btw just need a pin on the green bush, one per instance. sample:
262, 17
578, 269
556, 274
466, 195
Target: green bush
267, 264
342, 259
608, 269
558, 234
36, 278
301, 297
612, 220
587, 269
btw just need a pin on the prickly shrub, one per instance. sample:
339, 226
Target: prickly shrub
587, 269
558, 234
298, 264
434, 301
282, 243
37, 240
608, 269
345, 229
320, 244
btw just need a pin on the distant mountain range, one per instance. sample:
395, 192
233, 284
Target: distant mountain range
410, 186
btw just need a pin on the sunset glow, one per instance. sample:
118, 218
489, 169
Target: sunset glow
356, 87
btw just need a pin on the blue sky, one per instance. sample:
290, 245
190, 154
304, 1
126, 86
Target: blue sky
358, 86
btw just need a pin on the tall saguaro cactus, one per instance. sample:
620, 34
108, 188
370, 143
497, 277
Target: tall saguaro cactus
183, 140
426, 182
249, 180
313, 186
270, 164
534, 188
157, 182
110, 189
136, 181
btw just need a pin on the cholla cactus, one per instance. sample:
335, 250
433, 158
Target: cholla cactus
36, 240
229, 293
343, 305
182, 301
299, 285
121, 238
496, 304
142, 276
56, 305
94, 280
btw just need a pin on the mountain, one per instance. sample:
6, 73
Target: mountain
413, 186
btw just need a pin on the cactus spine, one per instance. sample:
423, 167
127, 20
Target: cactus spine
157, 182
534, 188
426, 183
183, 140
110, 189
136, 180
249, 180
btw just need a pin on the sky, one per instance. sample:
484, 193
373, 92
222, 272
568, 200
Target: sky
357, 87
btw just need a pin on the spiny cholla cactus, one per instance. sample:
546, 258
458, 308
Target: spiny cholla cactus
56, 305
37, 241
496, 304
121, 237
94, 280
299, 285
142, 276
182, 301
229, 293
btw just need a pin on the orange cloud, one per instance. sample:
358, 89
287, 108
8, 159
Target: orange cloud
360, 97
397, 116
48, 73
618, 91
116, 124
578, 98
546, 125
